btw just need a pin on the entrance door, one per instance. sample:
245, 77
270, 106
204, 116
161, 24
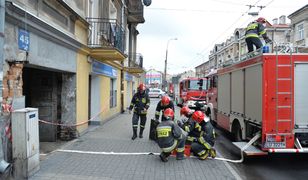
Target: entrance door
42, 94
301, 89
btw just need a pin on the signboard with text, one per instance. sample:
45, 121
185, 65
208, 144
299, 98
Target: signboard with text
23, 40
104, 69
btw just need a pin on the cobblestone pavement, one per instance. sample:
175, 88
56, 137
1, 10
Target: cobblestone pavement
115, 136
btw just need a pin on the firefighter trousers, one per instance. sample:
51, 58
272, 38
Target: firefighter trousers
201, 150
135, 120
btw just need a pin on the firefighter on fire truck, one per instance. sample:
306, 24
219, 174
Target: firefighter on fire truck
170, 137
162, 105
140, 102
202, 135
253, 31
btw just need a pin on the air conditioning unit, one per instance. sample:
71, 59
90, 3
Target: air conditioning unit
25, 143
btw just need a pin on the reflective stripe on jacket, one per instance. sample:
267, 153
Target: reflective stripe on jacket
140, 103
167, 133
255, 29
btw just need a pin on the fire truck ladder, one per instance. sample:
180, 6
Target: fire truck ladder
284, 94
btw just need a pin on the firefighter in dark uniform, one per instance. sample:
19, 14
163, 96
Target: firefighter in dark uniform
192, 128
201, 135
163, 104
170, 137
140, 102
253, 31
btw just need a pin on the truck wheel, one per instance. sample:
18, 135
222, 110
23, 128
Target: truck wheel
236, 132
208, 113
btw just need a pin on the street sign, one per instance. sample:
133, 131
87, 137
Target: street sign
23, 39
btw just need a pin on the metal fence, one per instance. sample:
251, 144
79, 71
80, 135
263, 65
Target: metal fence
106, 33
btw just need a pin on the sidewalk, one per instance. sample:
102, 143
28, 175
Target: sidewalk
115, 136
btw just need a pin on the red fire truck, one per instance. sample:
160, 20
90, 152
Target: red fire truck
262, 98
191, 91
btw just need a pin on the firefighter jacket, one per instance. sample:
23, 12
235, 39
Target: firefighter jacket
208, 133
168, 134
193, 130
140, 103
255, 29
162, 108
202, 133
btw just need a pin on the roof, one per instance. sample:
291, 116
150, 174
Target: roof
298, 11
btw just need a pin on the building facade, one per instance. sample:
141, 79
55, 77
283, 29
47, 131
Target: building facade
75, 61
299, 24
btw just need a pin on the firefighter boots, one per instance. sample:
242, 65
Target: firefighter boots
164, 156
204, 155
134, 134
212, 152
141, 132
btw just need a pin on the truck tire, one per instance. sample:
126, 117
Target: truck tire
236, 132
209, 114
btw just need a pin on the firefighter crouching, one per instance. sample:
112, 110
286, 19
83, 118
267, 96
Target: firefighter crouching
162, 105
140, 102
192, 128
202, 136
170, 137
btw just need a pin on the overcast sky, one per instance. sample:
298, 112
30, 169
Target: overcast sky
198, 25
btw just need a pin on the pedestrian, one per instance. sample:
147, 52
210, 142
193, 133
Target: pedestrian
141, 103
202, 145
162, 105
170, 137
253, 31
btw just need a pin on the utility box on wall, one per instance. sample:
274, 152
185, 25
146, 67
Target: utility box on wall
25, 143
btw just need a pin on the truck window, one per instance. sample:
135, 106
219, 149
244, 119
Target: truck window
193, 85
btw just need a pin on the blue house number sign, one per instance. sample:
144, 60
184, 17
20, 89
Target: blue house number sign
23, 40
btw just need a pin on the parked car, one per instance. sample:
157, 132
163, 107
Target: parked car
156, 93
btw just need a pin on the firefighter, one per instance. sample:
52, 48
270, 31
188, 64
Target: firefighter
202, 145
253, 31
192, 128
170, 137
140, 102
163, 104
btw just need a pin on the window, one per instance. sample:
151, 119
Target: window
300, 31
113, 93
193, 85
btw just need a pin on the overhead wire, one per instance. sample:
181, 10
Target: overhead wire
223, 33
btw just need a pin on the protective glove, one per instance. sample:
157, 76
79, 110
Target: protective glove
180, 123
268, 41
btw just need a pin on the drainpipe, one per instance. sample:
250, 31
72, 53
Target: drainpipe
3, 164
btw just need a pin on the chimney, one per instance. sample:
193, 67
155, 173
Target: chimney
275, 21
282, 19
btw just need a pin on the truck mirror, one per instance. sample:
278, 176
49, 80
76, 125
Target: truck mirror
200, 83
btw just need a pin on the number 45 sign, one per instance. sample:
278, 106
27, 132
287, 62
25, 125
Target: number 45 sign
23, 40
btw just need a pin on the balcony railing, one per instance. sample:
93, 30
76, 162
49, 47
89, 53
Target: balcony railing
106, 33
135, 60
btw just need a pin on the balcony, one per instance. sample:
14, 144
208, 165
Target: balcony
106, 39
135, 64
135, 11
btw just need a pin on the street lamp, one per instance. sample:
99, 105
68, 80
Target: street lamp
165, 72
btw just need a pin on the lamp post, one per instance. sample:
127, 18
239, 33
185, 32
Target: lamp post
166, 60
